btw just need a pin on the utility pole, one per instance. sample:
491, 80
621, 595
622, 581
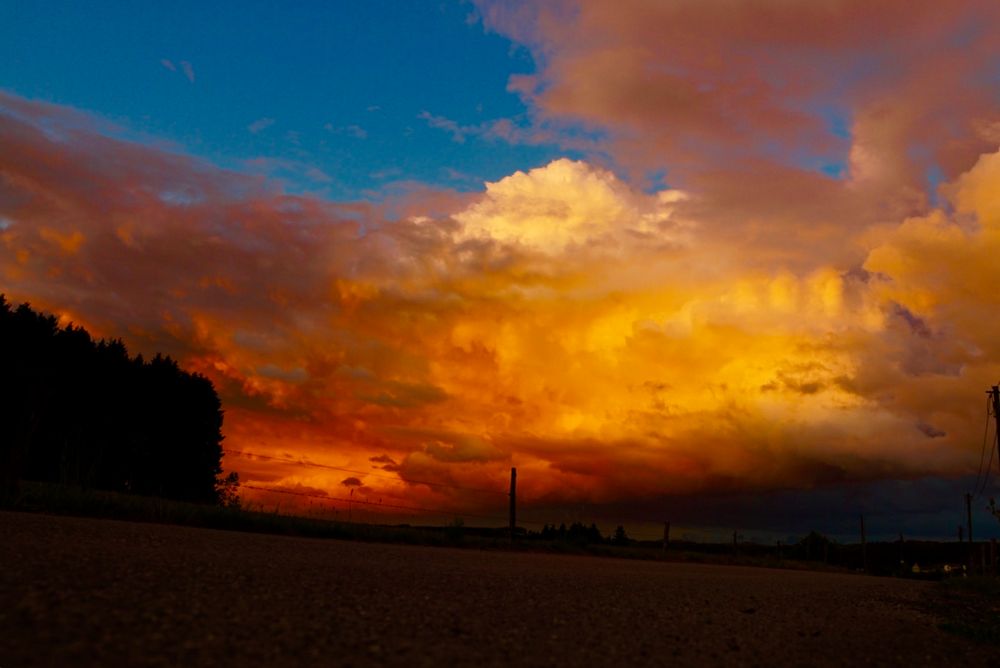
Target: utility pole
513, 503
995, 395
864, 546
968, 513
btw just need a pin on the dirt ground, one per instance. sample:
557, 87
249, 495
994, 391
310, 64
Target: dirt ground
82, 592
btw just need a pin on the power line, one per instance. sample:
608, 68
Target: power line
989, 472
250, 455
989, 465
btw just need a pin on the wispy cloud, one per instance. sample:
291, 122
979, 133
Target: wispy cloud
509, 130
185, 68
260, 125
458, 133
355, 131
188, 70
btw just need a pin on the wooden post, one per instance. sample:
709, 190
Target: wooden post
995, 394
864, 546
513, 503
666, 536
968, 513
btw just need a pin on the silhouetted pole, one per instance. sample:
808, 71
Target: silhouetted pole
864, 546
968, 513
513, 502
995, 393
666, 535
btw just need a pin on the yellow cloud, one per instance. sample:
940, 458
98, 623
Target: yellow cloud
565, 204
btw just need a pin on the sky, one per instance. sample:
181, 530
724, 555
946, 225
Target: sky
727, 264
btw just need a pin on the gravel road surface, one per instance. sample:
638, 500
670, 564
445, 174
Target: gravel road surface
82, 592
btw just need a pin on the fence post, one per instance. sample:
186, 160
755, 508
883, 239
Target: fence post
864, 546
513, 503
968, 513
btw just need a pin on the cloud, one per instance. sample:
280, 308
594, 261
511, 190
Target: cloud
509, 130
287, 169
385, 463
886, 90
260, 125
355, 131
615, 344
318, 175
458, 132
188, 70
570, 204
298, 489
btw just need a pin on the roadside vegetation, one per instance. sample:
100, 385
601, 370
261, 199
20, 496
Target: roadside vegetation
83, 412
969, 607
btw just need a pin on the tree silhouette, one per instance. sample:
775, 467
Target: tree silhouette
577, 533
81, 412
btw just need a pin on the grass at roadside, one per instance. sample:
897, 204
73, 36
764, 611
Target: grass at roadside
969, 607
60, 500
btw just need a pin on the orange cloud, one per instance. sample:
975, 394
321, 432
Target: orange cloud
614, 344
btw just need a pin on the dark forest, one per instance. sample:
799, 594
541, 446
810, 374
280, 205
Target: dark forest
81, 412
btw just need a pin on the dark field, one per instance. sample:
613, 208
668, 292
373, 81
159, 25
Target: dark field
99, 592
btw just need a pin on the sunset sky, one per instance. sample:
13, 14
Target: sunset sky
726, 263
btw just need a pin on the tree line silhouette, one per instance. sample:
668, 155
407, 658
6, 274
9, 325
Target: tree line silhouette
577, 533
76, 411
